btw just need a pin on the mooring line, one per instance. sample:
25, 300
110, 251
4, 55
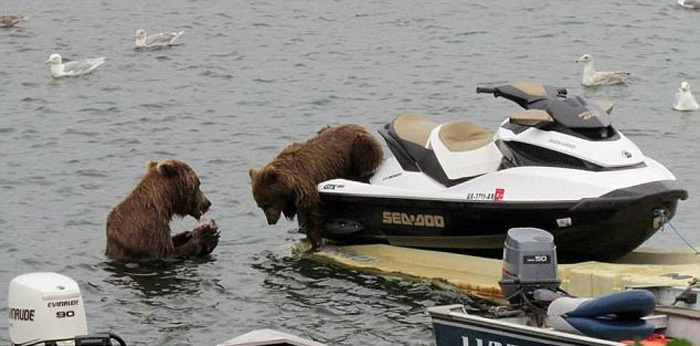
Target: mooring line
664, 220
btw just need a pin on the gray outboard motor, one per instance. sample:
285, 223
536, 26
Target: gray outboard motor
529, 282
529, 271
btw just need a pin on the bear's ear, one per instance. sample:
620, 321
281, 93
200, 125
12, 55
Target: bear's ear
254, 172
269, 174
167, 168
150, 165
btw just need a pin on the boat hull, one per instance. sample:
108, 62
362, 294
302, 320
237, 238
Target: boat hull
454, 327
602, 229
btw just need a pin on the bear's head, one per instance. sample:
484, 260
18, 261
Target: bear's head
177, 185
273, 192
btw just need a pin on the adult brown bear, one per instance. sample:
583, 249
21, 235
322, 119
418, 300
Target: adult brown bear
138, 228
288, 183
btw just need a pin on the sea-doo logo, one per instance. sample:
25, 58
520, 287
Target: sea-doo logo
626, 154
564, 144
22, 314
422, 220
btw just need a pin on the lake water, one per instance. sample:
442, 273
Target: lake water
248, 78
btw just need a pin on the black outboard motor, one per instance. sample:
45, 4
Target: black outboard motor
529, 277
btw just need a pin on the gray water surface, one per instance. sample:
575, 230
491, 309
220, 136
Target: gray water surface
248, 78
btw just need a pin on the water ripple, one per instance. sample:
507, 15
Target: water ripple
244, 84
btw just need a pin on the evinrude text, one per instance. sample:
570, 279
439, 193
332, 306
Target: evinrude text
22, 314
63, 303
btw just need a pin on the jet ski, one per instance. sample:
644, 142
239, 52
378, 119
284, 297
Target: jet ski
559, 165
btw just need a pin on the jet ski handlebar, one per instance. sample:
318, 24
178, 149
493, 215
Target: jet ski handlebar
485, 90
527, 95
496, 92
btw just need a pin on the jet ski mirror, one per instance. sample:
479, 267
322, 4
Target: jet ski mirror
531, 117
605, 105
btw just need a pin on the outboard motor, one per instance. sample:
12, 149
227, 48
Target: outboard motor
529, 282
529, 266
47, 309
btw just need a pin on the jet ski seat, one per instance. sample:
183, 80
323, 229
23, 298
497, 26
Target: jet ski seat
407, 137
462, 135
465, 149
449, 153
413, 128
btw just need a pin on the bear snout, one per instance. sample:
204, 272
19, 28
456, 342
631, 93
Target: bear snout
207, 204
204, 206
272, 216
201, 208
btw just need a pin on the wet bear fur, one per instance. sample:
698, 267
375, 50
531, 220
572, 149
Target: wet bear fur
138, 228
287, 184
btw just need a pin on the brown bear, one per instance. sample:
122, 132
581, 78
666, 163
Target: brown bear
288, 183
138, 228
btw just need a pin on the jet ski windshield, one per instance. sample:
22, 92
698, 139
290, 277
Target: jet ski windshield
577, 112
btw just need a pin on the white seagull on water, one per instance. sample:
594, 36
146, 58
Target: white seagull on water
9, 20
163, 39
73, 68
592, 77
684, 99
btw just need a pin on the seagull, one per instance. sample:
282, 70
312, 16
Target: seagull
591, 77
162, 39
9, 20
690, 4
684, 99
72, 68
